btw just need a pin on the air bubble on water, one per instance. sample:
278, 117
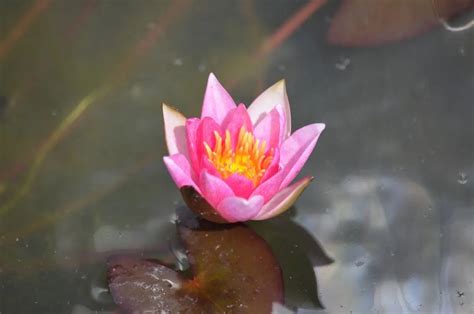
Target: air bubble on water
359, 263
172, 284
201, 67
462, 178
282, 67
17, 239
178, 62
343, 63
181, 258
392, 253
461, 28
136, 91
173, 218
97, 293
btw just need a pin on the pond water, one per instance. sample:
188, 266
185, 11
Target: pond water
390, 213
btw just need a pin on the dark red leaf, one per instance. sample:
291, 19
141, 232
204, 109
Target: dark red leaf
232, 271
145, 285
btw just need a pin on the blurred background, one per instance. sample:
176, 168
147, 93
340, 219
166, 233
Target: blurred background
81, 138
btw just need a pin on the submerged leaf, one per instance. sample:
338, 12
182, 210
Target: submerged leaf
232, 270
369, 22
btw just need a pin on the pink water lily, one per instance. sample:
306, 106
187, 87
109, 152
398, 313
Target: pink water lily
236, 163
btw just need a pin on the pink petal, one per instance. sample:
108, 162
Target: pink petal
235, 208
175, 132
273, 96
268, 129
191, 139
217, 101
236, 119
213, 188
207, 165
283, 200
199, 132
270, 187
274, 166
205, 131
297, 148
241, 185
205, 134
283, 133
180, 170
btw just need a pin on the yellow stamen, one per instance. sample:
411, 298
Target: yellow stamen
248, 158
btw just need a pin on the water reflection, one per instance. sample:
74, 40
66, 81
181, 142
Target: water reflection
386, 235
299, 253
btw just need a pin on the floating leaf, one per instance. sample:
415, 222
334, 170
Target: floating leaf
369, 22
145, 285
232, 270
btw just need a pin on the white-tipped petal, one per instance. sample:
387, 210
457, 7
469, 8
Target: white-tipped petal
263, 104
175, 132
283, 200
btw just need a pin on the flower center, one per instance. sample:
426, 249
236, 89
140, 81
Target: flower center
248, 158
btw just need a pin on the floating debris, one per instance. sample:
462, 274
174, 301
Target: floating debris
343, 64
462, 178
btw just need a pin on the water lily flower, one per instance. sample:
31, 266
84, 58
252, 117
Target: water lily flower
236, 163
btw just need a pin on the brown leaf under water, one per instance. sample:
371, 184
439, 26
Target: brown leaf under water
233, 270
373, 22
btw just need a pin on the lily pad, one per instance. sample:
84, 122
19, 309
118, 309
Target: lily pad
145, 285
232, 270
